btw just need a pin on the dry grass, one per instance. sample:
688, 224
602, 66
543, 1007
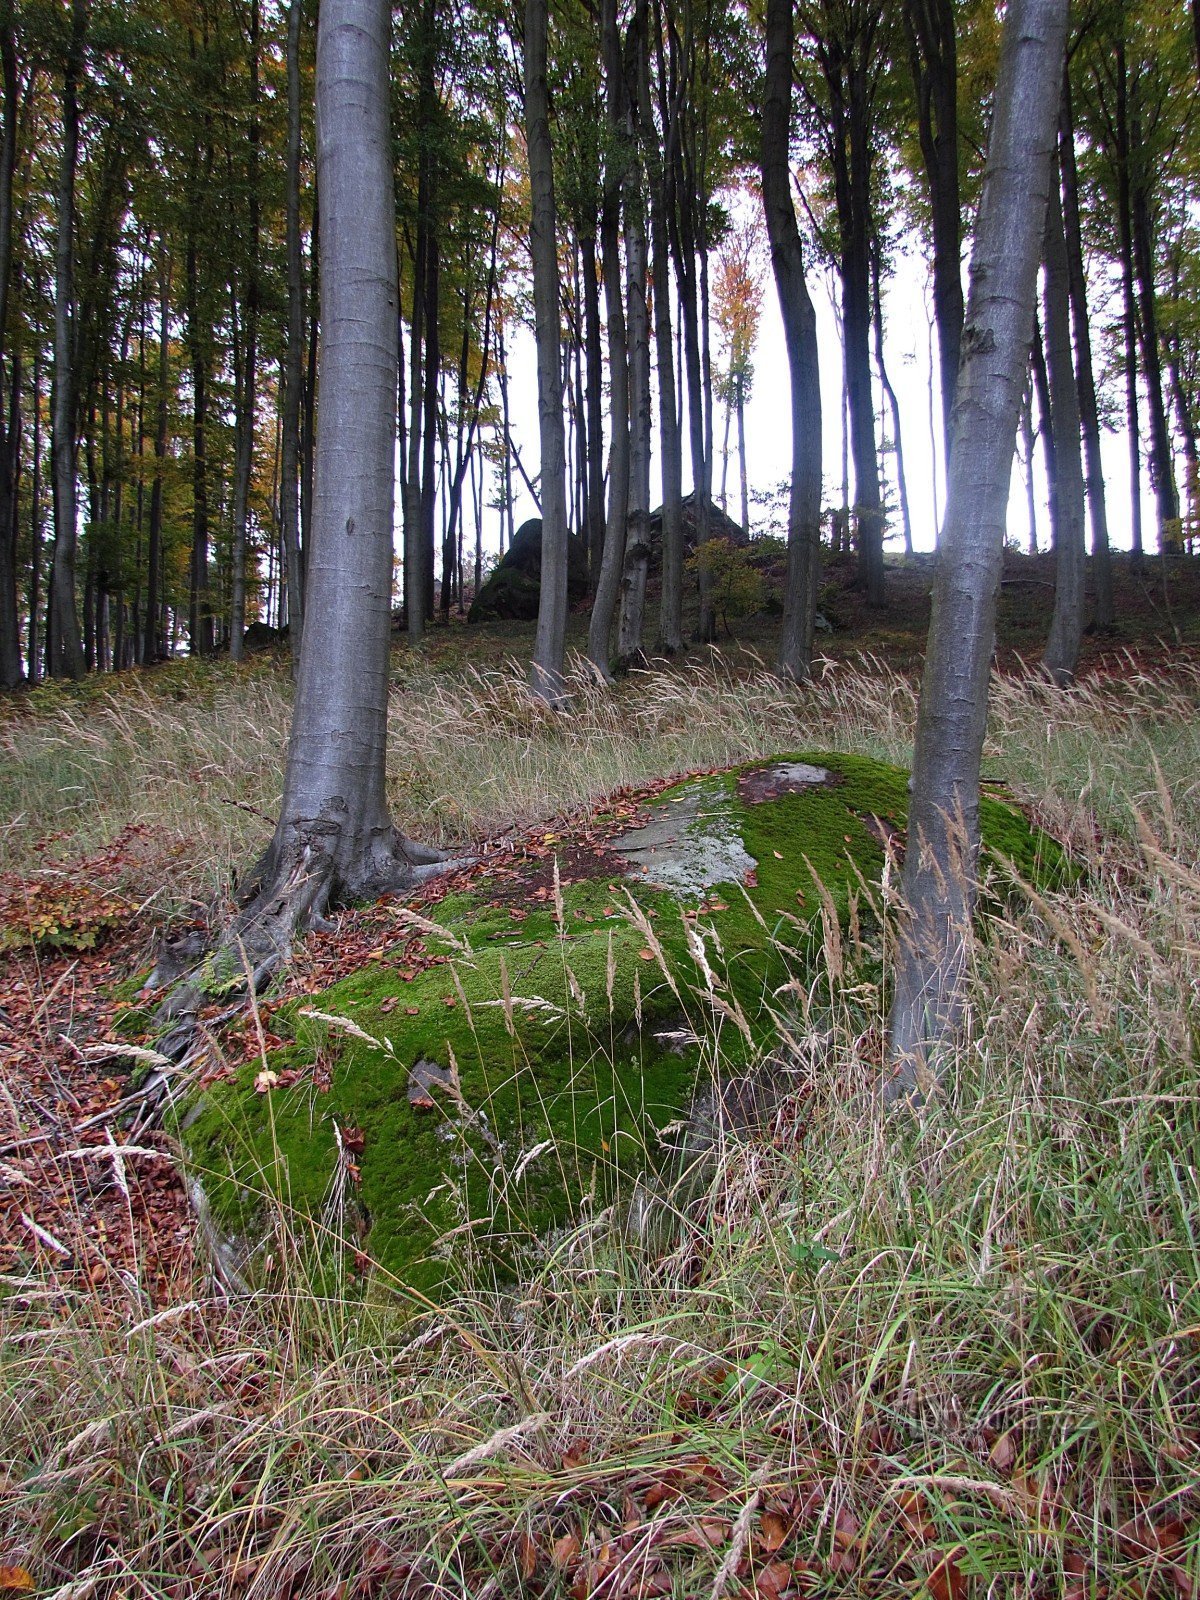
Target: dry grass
975, 1341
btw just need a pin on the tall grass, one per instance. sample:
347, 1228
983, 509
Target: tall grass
471, 754
864, 1356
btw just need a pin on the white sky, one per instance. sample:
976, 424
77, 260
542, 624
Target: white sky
907, 352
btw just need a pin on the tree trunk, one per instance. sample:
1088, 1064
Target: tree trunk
1089, 414
1029, 442
933, 51
244, 450
546, 669
885, 384
637, 536
10, 643
66, 649
594, 363
1041, 384
1066, 625
939, 882
658, 165
608, 583
293, 371
1129, 329
33, 660
334, 835
800, 336
200, 619
1162, 466
154, 644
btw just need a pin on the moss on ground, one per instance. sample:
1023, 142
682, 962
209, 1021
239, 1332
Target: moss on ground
559, 1047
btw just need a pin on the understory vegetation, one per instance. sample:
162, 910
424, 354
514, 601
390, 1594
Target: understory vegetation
854, 1354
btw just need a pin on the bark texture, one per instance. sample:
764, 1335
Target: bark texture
546, 670
335, 836
939, 882
1066, 625
800, 333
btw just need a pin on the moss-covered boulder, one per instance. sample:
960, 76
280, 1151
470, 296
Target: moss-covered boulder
551, 1051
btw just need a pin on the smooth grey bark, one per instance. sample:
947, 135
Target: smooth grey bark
594, 367
933, 51
66, 652
1089, 412
658, 169
546, 668
637, 536
335, 836
800, 336
939, 887
1061, 655
293, 368
637, 532
608, 582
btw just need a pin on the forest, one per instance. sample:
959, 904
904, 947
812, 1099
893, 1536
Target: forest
599, 914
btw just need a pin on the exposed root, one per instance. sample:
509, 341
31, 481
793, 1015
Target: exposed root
290, 891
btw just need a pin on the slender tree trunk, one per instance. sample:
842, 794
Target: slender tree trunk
507, 526
1089, 413
429, 422
546, 671
1162, 466
32, 656
154, 642
637, 537
658, 167
10, 642
200, 619
608, 583
1066, 625
723, 495
743, 478
67, 648
1129, 321
939, 882
1027, 439
1041, 383
933, 50
292, 375
244, 451
308, 416
594, 365
800, 336
893, 402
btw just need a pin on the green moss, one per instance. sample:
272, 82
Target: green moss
570, 1066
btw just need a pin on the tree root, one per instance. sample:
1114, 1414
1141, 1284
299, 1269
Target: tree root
288, 895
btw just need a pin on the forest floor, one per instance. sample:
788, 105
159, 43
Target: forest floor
989, 1379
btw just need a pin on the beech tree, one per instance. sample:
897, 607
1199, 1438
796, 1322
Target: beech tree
546, 672
939, 890
800, 333
334, 835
